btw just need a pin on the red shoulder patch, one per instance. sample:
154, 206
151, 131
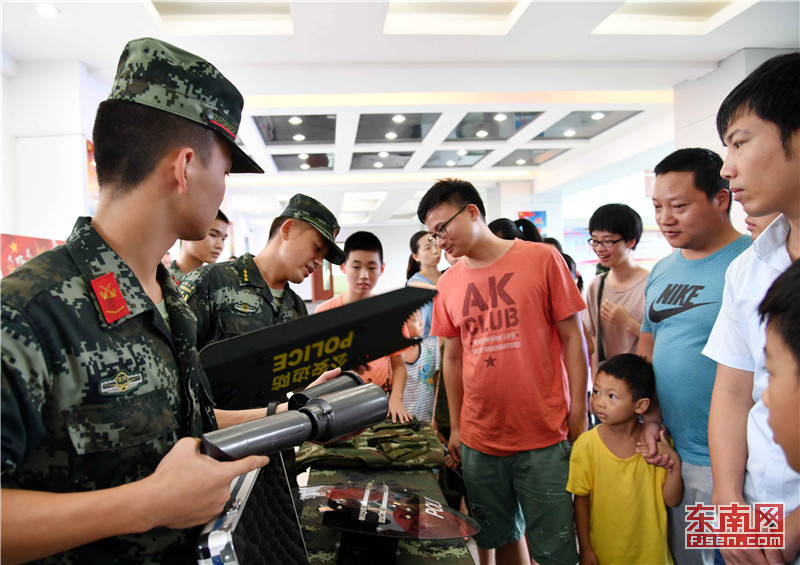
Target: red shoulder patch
110, 297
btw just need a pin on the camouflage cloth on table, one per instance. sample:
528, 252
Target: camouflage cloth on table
89, 403
412, 445
232, 298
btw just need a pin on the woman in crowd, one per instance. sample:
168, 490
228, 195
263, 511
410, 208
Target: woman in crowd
423, 271
615, 300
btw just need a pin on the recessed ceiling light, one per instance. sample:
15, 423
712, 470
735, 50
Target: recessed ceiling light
299, 137
391, 135
383, 154
461, 152
451, 163
520, 161
500, 117
47, 10
598, 116
295, 120
398, 119
569, 133
481, 133
305, 166
302, 156
377, 164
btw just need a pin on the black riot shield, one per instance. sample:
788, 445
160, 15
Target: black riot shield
252, 369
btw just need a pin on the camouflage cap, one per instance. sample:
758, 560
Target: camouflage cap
165, 77
313, 212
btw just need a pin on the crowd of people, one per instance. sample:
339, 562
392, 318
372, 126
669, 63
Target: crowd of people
584, 423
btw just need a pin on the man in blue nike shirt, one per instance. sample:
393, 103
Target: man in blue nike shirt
682, 299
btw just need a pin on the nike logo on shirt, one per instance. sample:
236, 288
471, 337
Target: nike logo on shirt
657, 316
678, 295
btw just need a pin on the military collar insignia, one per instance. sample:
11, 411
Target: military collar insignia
110, 298
120, 383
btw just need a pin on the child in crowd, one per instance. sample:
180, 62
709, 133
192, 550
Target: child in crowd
363, 265
422, 365
782, 396
620, 512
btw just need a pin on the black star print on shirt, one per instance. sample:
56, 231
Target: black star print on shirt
490, 361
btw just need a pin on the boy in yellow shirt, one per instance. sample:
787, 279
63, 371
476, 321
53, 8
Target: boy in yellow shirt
620, 511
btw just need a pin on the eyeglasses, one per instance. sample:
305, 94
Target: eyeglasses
441, 231
605, 244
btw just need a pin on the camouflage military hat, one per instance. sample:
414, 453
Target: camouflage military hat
309, 210
165, 77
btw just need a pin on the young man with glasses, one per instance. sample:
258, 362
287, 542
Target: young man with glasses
682, 299
515, 372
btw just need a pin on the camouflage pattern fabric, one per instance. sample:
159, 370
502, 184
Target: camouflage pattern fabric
322, 541
232, 298
154, 73
311, 211
89, 404
413, 445
176, 272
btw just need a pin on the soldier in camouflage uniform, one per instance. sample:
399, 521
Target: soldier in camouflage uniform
102, 391
252, 292
194, 254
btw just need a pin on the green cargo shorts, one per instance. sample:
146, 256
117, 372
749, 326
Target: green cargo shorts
523, 492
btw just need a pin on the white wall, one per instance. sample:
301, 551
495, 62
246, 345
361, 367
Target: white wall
48, 111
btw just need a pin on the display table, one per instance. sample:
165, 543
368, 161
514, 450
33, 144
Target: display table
323, 542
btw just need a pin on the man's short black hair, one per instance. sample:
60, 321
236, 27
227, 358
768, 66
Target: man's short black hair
635, 371
130, 139
781, 308
771, 92
704, 163
457, 192
363, 241
222, 217
617, 218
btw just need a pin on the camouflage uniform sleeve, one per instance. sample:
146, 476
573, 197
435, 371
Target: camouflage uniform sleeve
24, 377
195, 289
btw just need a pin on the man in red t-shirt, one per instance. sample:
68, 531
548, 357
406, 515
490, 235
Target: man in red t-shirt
515, 367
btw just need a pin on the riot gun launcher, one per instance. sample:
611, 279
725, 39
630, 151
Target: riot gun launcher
339, 407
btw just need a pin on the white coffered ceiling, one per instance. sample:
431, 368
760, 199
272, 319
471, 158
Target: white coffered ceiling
525, 73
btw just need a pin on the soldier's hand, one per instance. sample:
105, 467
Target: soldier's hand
326, 376
189, 488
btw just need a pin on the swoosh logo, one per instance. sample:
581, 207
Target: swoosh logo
661, 315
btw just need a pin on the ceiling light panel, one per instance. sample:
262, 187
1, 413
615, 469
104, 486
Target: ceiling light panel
281, 129
384, 127
314, 161
369, 160
670, 18
445, 158
529, 157
362, 202
486, 126
225, 18
584, 125
452, 18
